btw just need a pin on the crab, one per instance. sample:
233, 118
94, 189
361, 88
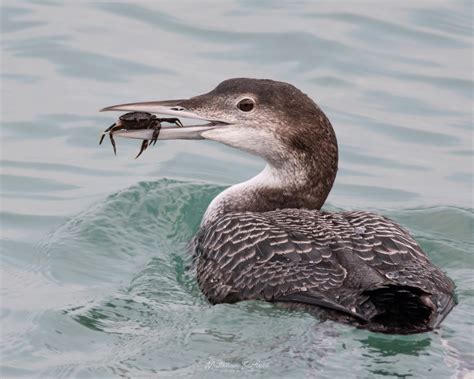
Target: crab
137, 121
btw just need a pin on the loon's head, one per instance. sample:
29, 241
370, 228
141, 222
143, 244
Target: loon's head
271, 119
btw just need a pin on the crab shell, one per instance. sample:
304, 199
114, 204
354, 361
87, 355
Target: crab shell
137, 120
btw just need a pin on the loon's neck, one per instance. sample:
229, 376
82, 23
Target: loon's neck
302, 156
298, 183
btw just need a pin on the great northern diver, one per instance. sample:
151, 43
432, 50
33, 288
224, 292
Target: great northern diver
267, 239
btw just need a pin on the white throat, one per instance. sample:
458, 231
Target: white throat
269, 178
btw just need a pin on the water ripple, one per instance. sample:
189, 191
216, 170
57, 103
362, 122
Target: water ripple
376, 30
79, 63
12, 20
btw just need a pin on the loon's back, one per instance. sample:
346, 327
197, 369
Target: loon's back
354, 267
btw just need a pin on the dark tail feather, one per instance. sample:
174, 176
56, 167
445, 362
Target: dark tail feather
401, 309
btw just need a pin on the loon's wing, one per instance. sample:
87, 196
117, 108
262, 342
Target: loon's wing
356, 263
389, 249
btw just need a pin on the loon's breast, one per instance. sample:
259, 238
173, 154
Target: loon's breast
358, 266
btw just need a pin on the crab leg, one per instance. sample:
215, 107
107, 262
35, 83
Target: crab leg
112, 141
143, 147
156, 133
105, 132
172, 120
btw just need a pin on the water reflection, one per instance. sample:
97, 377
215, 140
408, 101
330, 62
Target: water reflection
386, 346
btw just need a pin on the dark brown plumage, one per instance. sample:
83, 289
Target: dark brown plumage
356, 267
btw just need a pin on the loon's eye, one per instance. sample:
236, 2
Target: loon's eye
246, 105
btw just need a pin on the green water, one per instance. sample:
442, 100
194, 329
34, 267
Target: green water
94, 270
